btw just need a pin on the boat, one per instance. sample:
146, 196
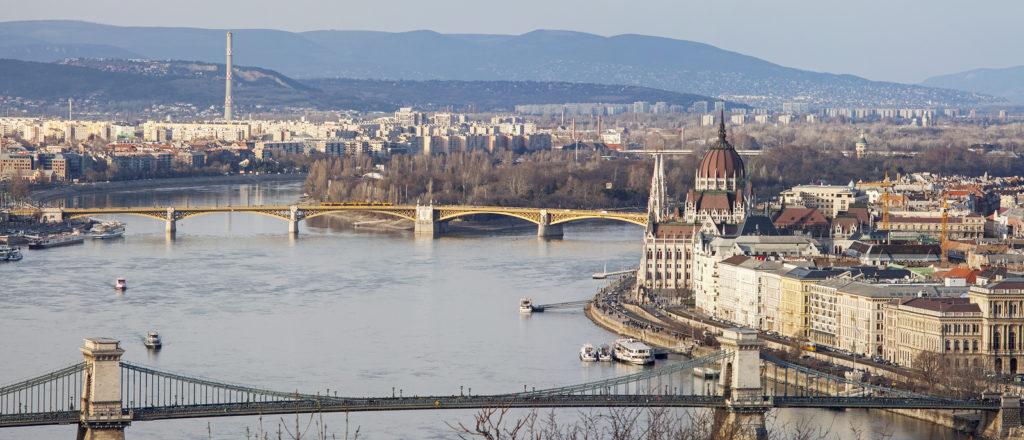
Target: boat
107, 230
10, 253
632, 351
588, 353
120, 284
705, 372
525, 305
604, 353
153, 340
56, 241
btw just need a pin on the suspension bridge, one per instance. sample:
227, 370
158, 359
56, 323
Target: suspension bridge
103, 395
428, 219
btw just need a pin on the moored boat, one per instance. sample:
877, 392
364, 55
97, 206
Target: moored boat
120, 284
588, 353
56, 241
604, 353
153, 340
705, 372
633, 351
107, 230
10, 253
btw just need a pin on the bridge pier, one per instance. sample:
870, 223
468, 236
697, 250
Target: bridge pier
52, 215
427, 224
101, 415
172, 223
545, 229
740, 384
293, 221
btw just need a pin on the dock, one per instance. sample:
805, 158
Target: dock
561, 306
603, 275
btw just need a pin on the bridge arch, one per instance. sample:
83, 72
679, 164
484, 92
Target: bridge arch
454, 215
600, 217
70, 216
399, 214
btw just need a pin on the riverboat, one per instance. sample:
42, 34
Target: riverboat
56, 241
153, 340
525, 305
10, 253
588, 353
604, 353
120, 284
107, 230
633, 351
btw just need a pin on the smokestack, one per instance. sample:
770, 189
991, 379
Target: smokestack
227, 87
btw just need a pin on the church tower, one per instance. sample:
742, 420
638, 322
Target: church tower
862, 146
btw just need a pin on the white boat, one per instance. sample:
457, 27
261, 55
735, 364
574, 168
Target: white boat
10, 253
588, 353
604, 353
107, 230
120, 284
56, 241
525, 305
153, 340
633, 351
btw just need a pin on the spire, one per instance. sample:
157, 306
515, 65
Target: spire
721, 129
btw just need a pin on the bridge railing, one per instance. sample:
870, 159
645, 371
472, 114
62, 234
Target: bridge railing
610, 384
57, 391
875, 389
143, 387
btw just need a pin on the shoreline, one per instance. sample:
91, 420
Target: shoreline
51, 193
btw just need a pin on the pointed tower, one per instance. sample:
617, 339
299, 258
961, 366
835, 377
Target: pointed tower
657, 208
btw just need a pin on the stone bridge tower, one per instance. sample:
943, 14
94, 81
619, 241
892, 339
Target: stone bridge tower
740, 384
101, 415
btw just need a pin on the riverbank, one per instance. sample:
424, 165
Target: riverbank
57, 192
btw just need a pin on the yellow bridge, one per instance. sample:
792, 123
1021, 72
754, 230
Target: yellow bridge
428, 219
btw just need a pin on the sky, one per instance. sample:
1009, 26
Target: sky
887, 40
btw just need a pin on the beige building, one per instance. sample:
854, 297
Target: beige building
943, 325
970, 226
1002, 323
741, 292
830, 200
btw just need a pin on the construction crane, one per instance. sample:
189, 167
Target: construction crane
885, 201
944, 231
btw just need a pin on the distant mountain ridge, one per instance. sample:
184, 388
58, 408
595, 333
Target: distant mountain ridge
109, 82
660, 63
1006, 83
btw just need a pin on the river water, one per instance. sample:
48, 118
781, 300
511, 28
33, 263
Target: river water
357, 312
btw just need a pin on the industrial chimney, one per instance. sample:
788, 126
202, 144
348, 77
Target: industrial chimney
227, 89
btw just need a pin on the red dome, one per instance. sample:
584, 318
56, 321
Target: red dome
721, 161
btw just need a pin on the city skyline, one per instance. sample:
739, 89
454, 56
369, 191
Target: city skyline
903, 42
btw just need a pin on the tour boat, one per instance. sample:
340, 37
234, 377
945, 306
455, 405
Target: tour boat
588, 352
153, 340
10, 253
525, 305
107, 230
56, 240
633, 351
120, 284
604, 353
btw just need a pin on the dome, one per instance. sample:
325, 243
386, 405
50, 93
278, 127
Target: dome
720, 162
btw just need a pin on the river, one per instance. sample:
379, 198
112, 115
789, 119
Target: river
359, 312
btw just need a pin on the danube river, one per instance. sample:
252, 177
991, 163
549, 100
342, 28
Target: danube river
354, 311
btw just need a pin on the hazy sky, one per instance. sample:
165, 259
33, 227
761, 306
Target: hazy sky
891, 40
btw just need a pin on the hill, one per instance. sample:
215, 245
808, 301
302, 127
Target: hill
654, 62
110, 82
1006, 83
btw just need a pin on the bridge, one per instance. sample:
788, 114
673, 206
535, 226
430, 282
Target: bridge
104, 395
428, 219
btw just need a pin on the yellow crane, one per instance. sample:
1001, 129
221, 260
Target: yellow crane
945, 230
885, 201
